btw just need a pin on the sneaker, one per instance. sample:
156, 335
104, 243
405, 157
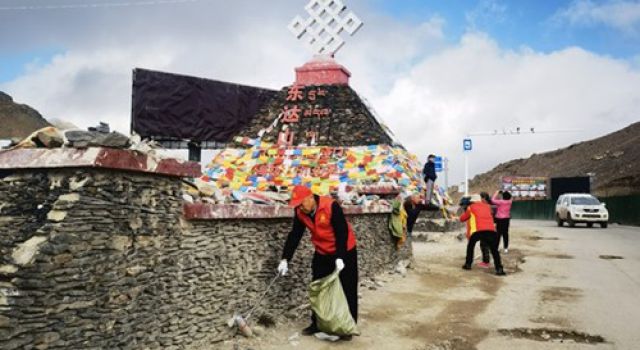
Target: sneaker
484, 265
500, 272
311, 330
466, 267
506, 250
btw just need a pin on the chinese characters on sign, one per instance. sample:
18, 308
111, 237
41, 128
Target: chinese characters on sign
295, 94
292, 112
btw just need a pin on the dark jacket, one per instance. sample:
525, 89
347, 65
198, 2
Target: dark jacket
429, 171
413, 211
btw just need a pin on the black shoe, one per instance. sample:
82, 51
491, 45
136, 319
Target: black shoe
500, 272
466, 267
311, 330
346, 337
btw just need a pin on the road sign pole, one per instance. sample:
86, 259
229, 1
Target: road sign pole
466, 173
467, 146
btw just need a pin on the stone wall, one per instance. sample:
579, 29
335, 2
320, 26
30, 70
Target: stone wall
104, 259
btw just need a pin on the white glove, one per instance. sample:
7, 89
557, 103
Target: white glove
339, 265
283, 267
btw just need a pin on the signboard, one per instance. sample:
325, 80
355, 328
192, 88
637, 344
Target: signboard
438, 164
467, 145
172, 107
525, 188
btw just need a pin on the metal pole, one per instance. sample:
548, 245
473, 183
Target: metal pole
466, 173
195, 151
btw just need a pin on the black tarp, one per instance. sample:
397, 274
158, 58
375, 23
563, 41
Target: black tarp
562, 185
176, 107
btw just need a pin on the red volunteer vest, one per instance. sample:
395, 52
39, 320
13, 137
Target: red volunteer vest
322, 235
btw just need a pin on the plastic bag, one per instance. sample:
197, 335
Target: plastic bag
330, 305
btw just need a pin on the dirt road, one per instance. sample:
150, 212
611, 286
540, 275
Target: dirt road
566, 289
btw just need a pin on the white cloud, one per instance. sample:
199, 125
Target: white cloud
486, 11
476, 86
623, 15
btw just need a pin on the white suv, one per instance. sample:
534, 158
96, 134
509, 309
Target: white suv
575, 208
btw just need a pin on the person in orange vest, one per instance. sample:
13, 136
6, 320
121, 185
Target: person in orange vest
334, 242
480, 227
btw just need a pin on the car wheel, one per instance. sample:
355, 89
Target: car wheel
590, 224
603, 224
570, 221
558, 220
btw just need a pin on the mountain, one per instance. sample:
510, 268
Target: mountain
613, 158
18, 120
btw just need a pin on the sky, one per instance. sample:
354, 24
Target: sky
435, 71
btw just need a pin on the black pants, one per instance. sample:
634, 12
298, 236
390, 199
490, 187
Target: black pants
484, 248
502, 226
324, 265
490, 238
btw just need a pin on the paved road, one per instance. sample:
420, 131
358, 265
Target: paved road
559, 294
568, 283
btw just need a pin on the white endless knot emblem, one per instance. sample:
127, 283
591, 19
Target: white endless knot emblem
321, 30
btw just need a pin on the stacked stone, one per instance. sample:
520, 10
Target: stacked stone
83, 258
237, 259
432, 221
350, 122
99, 259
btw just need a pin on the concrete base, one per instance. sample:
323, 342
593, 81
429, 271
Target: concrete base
322, 70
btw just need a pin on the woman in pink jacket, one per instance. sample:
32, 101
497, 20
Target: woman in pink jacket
503, 202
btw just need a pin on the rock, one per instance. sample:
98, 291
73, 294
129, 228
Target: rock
5, 322
8, 269
121, 243
84, 139
56, 215
258, 331
113, 140
24, 253
49, 137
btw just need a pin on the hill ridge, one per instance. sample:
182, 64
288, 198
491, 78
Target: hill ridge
613, 158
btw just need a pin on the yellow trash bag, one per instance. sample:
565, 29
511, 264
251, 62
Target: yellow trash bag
330, 305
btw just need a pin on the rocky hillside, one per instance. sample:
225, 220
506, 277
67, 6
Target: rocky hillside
614, 158
18, 120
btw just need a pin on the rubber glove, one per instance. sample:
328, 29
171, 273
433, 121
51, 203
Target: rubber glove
283, 267
339, 265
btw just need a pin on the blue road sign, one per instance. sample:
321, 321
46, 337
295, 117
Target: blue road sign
438, 163
467, 145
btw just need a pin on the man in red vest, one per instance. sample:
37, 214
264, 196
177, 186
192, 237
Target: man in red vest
334, 242
480, 227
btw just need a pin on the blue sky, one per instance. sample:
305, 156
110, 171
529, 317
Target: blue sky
17, 63
531, 23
